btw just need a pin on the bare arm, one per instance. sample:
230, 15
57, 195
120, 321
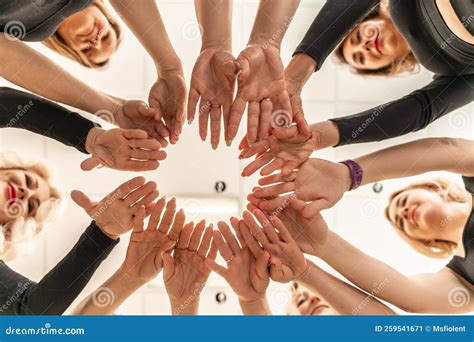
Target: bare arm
343, 297
215, 18
424, 293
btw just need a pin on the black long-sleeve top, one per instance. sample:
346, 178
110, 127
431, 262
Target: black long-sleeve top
436, 48
24, 110
53, 294
31, 20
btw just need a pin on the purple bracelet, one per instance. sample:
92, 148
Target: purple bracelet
356, 173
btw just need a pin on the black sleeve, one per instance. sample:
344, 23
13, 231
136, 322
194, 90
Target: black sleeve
408, 114
332, 24
58, 289
23, 110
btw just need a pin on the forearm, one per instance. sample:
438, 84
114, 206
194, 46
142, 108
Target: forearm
109, 296
259, 307
144, 20
428, 293
343, 297
215, 18
29, 69
420, 156
272, 21
325, 134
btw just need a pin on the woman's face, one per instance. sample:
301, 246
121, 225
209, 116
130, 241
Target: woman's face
421, 213
90, 32
21, 194
308, 304
374, 44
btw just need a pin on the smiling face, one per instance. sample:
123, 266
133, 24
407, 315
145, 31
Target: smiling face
90, 33
307, 304
374, 44
21, 194
422, 214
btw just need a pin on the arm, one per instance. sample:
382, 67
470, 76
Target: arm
60, 286
424, 293
345, 298
408, 114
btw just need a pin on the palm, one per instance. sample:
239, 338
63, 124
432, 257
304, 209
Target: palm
247, 285
291, 259
135, 115
189, 270
294, 151
168, 96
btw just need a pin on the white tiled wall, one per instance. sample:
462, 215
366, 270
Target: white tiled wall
192, 167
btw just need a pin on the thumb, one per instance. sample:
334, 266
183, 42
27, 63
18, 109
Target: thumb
261, 265
91, 163
315, 207
215, 267
168, 266
82, 200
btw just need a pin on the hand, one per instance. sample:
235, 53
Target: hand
318, 181
168, 96
143, 261
284, 150
114, 214
185, 272
287, 261
137, 115
261, 81
248, 276
213, 81
309, 234
127, 150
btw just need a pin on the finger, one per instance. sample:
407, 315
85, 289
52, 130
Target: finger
266, 108
123, 190
163, 131
255, 229
135, 134
168, 216
285, 134
180, 114
235, 226
136, 165
139, 221
297, 204
302, 124
257, 164
315, 207
254, 200
258, 147
145, 201
204, 109
206, 242
193, 100
91, 163
196, 236
276, 164
156, 214
244, 144
267, 225
250, 241
285, 103
276, 178
236, 112
274, 190
253, 121
273, 204
147, 155
284, 233
261, 265
185, 235
215, 126
142, 191
226, 115
177, 226
149, 144
289, 167
82, 200
229, 237
213, 251
215, 267
168, 266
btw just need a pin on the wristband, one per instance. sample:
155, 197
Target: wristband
356, 173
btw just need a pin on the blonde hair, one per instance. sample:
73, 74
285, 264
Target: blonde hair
450, 192
56, 43
15, 234
404, 64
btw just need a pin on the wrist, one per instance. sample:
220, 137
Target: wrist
303, 275
300, 69
264, 41
171, 65
105, 230
128, 280
326, 134
352, 175
92, 137
185, 306
258, 299
225, 45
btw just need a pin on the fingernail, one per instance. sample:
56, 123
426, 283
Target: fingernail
190, 121
211, 226
214, 147
228, 143
203, 139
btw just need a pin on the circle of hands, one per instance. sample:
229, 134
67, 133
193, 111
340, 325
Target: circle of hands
283, 219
